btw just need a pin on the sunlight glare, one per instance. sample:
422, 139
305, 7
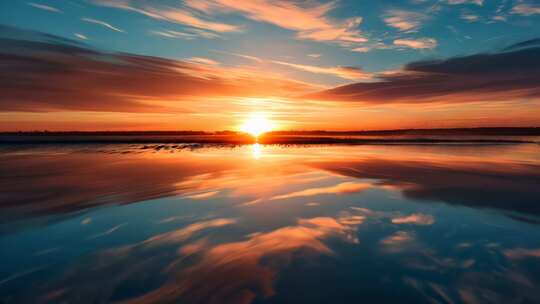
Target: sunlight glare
256, 125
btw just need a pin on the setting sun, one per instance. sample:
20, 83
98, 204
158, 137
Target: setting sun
256, 125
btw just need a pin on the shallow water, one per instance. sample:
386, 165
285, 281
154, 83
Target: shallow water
270, 224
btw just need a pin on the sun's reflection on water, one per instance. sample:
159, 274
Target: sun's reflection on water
256, 150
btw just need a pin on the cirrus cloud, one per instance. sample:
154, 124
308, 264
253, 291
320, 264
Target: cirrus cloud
345, 72
419, 44
309, 20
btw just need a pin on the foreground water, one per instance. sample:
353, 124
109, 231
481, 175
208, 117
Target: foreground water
269, 224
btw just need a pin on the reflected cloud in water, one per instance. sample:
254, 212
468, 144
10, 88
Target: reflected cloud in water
200, 272
211, 225
479, 183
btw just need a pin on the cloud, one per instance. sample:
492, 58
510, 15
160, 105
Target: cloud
522, 253
45, 7
48, 73
398, 241
202, 195
249, 57
309, 20
239, 271
403, 20
511, 74
470, 17
526, 9
419, 44
362, 49
180, 235
343, 188
202, 60
457, 181
535, 42
351, 73
98, 180
455, 2
187, 35
171, 14
80, 36
107, 232
314, 55
102, 23
417, 219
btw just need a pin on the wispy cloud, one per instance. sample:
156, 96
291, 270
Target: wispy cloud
172, 14
345, 72
105, 233
455, 2
202, 60
416, 219
343, 188
403, 20
44, 7
470, 17
314, 55
420, 43
249, 57
202, 195
187, 35
362, 49
80, 36
398, 241
102, 23
185, 233
309, 20
526, 9
499, 18
522, 253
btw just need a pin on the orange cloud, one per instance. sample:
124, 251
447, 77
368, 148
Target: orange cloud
343, 188
242, 262
421, 43
522, 253
310, 20
417, 219
398, 241
183, 234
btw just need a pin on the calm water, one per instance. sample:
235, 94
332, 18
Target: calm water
268, 224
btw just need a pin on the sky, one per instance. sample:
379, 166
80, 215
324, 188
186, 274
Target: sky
304, 65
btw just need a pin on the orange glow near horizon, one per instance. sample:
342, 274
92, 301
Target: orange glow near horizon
256, 124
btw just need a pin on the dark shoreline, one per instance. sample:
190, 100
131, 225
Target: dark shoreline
282, 140
409, 136
483, 131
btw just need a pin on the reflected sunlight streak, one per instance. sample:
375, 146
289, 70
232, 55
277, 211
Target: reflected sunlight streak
256, 150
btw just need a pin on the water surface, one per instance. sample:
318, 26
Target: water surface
270, 224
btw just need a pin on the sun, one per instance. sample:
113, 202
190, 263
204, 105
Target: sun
256, 125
